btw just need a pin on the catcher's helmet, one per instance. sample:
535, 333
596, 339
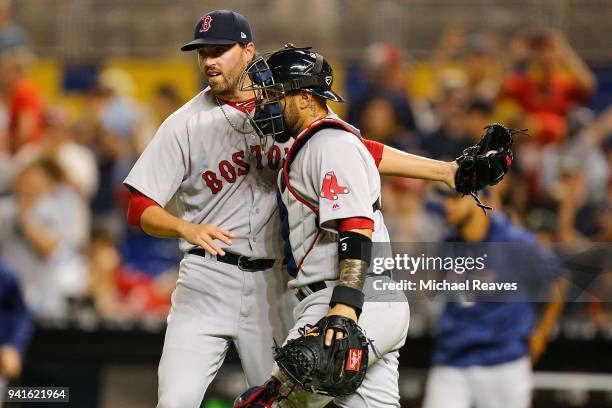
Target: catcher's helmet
272, 76
300, 68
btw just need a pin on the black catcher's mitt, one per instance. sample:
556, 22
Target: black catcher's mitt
485, 163
337, 370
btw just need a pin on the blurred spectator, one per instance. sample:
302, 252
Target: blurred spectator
482, 348
383, 74
547, 81
449, 140
11, 34
545, 172
111, 124
166, 100
379, 122
121, 293
473, 57
449, 46
15, 328
123, 117
580, 153
569, 193
481, 69
105, 148
23, 100
77, 161
44, 230
104, 259
604, 217
479, 114
408, 218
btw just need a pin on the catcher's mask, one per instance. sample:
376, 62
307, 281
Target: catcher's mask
272, 76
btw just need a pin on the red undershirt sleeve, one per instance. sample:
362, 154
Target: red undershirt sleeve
137, 205
376, 150
347, 224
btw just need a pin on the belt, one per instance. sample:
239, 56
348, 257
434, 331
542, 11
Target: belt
244, 263
304, 291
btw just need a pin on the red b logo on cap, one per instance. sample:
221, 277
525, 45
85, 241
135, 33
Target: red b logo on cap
205, 24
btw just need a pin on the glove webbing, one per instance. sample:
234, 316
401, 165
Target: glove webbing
480, 204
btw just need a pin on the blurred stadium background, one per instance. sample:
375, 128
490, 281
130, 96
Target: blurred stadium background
85, 83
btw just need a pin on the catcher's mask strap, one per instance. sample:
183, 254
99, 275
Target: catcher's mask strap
296, 84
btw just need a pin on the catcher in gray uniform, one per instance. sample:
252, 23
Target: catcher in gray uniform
330, 210
329, 204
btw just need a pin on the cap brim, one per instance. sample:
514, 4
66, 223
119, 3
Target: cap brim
198, 43
331, 95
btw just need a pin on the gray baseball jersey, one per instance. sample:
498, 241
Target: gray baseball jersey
220, 175
332, 177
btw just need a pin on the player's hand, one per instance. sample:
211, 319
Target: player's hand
10, 362
341, 310
203, 235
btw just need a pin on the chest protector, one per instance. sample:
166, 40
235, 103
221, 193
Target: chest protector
300, 215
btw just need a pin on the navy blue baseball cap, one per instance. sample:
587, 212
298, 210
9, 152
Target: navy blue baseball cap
220, 27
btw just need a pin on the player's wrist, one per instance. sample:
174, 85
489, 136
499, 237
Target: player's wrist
451, 171
182, 229
347, 297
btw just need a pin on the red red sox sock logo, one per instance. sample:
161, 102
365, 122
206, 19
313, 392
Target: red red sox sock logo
206, 23
331, 188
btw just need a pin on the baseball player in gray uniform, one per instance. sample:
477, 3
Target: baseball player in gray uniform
211, 159
330, 193
223, 176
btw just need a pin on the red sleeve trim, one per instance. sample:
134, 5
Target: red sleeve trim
137, 205
376, 150
347, 224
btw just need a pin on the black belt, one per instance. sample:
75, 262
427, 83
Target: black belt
244, 263
307, 290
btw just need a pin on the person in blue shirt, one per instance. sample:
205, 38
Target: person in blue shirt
15, 327
481, 355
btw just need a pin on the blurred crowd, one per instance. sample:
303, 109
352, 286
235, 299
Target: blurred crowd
559, 183
62, 212
62, 205
559, 187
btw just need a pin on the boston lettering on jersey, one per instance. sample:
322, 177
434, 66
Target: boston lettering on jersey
230, 169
